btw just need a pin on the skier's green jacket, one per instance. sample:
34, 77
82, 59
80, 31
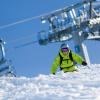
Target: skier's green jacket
67, 65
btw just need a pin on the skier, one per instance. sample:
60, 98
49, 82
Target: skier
66, 59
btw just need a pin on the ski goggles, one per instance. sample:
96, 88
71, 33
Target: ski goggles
65, 49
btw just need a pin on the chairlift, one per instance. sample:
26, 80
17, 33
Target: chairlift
5, 67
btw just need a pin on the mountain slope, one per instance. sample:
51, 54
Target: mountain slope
81, 85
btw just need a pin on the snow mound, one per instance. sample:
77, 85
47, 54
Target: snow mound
81, 85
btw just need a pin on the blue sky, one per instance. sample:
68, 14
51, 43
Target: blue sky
33, 59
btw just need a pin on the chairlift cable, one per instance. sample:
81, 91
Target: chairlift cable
25, 44
26, 20
18, 22
20, 39
22, 21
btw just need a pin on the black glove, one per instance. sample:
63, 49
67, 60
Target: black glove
84, 63
53, 73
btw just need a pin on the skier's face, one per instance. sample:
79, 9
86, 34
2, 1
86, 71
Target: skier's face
65, 53
65, 50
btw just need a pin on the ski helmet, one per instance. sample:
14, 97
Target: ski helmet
64, 46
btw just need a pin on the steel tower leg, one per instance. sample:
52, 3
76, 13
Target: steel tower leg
2, 50
80, 48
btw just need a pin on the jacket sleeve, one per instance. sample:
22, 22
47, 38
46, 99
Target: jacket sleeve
77, 58
55, 65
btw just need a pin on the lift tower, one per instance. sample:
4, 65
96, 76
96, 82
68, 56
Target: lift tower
79, 22
5, 65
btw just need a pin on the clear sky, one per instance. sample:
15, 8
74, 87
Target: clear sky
33, 59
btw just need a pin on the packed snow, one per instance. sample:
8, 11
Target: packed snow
81, 85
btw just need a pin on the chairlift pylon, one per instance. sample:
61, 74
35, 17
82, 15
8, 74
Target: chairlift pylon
5, 66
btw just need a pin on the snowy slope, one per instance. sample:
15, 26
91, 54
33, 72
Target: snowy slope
82, 85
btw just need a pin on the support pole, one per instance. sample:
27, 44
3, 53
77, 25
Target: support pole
2, 50
91, 9
80, 48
